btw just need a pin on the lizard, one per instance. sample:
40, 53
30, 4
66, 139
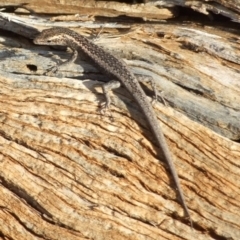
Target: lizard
117, 69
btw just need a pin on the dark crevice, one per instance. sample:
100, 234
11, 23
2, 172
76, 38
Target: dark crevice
32, 67
25, 226
116, 153
197, 92
21, 193
34, 204
4, 237
214, 235
113, 172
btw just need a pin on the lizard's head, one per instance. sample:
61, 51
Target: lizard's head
53, 36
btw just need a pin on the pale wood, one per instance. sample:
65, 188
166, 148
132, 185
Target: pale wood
94, 178
83, 10
92, 8
67, 172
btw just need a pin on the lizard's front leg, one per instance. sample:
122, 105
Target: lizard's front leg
54, 69
107, 87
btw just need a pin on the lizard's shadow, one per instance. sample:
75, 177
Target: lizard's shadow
123, 97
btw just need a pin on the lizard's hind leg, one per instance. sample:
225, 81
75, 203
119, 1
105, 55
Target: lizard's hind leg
144, 78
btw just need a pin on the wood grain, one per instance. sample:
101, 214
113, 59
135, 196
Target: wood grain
68, 170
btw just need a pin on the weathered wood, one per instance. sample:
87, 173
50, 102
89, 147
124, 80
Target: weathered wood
92, 8
196, 69
68, 172
152, 10
94, 178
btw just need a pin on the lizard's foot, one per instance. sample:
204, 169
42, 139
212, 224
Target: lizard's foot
155, 98
104, 109
51, 71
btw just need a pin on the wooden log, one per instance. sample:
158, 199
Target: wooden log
69, 172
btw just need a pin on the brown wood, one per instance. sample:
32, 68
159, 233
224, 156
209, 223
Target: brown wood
152, 10
68, 172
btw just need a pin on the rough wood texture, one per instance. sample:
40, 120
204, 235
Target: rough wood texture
93, 8
70, 173
152, 10
67, 172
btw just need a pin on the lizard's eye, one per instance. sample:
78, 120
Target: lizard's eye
49, 41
